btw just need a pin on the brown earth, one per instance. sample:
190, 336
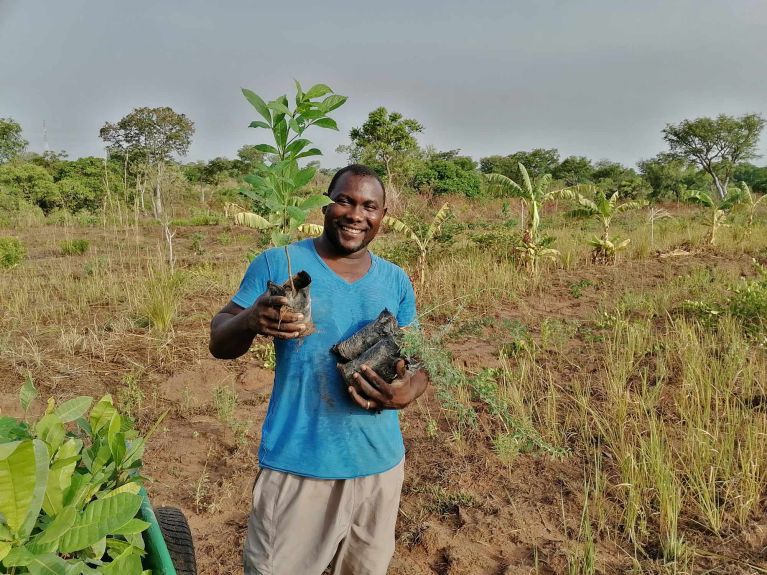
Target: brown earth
463, 511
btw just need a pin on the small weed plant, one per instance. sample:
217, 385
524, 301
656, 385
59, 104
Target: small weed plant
12, 252
74, 247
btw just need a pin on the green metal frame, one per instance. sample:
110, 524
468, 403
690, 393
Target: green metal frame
157, 556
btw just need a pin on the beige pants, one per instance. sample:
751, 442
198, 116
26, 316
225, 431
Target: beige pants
299, 525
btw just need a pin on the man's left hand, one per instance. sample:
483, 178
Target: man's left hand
373, 393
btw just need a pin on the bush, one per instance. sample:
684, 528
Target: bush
12, 252
74, 247
749, 303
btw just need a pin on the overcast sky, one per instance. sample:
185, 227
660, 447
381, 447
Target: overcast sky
594, 78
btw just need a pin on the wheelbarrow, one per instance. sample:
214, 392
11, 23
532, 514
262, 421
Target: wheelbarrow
169, 544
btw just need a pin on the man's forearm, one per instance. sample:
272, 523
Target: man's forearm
230, 336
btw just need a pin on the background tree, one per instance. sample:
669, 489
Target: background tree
755, 177
670, 176
716, 144
448, 173
11, 142
537, 162
574, 170
27, 183
152, 136
386, 141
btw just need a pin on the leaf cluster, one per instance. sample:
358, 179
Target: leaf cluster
69, 490
274, 184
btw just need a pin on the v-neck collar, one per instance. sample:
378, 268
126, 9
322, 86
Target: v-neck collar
335, 274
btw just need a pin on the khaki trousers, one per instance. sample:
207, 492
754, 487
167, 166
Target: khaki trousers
299, 525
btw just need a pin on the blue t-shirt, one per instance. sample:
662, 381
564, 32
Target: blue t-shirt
313, 427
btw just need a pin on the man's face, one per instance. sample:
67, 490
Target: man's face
353, 219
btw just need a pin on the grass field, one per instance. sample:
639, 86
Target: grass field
585, 419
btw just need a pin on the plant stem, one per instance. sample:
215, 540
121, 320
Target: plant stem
290, 272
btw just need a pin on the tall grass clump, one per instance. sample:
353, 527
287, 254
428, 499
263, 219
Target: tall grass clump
74, 247
158, 300
12, 252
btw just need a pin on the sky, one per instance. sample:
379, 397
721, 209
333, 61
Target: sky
593, 78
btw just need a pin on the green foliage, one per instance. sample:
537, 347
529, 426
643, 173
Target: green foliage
275, 185
448, 173
199, 218
69, 491
28, 183
749, 303
12, 252
537, 162
717, 145
11, 142
717, 210
574, 170
387, 143
74, 247
754, 177
423, 240
670, 176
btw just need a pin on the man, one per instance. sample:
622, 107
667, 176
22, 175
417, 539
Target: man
331, 455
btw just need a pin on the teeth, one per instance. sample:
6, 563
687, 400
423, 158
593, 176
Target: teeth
351, 230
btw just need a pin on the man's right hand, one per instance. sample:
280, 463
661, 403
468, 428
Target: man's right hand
268, 316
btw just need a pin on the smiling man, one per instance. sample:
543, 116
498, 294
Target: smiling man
331, 457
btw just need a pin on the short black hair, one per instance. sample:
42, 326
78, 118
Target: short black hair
356, 170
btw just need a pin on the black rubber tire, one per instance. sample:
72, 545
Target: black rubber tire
178, 538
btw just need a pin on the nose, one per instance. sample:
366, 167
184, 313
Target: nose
356, 214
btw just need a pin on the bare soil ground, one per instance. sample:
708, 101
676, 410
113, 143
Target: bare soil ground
463, 510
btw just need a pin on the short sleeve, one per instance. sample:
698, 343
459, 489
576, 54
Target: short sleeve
253, 284
406, 315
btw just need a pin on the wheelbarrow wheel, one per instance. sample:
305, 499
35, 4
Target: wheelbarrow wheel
178, 538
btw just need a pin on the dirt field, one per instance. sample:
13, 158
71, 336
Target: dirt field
468, 506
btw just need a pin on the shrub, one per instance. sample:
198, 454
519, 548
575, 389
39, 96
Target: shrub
749, 303
74, 247
72, 492
11, 252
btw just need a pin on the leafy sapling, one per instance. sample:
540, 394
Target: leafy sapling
275, 183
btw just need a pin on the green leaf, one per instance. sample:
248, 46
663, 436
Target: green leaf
73, 409
100, 518
102, 413
280, 239
49, 564
296, 214
51, 430
296, 146
265, 148
327, 123
256, 101
316, 91
23, 475
303, 177
278, 107
5, 547
131, 527
293, 123
299, 92
11, 429
60, 525
315, 201
313, 114
27, 393
259, 124
332, 102
281, 133
127, 563
309, 152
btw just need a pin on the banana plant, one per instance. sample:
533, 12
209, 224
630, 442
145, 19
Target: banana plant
750, 203
717, 210
656, 214
604, 208
274, 185
423, 241
534, 195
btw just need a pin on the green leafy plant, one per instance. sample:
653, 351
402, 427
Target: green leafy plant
717, 210
425, 240
12, 252
69, 490
750, 203
604, 208
274, 185
534, 194
74, 247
